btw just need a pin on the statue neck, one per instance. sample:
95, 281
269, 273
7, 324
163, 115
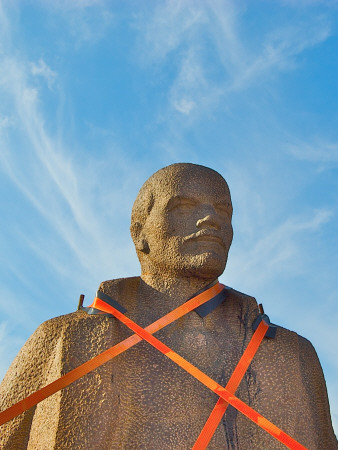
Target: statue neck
180, 288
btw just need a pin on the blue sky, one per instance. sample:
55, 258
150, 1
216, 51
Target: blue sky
96, 96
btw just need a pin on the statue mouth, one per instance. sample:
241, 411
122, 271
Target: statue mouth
207, 236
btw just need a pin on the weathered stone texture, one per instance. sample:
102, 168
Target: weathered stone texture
182, 231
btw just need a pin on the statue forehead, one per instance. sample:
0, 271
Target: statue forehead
188, 179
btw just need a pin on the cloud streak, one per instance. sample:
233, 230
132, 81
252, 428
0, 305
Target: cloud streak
42, 69
190, 32
274, 252
51, 180
319, 151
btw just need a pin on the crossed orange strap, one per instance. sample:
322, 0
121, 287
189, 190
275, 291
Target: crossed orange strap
83, 369
226, 394
232, 385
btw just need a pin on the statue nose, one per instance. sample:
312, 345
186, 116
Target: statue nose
210, 220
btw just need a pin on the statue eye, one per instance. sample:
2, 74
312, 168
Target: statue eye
181, 205
224, 209
187, 204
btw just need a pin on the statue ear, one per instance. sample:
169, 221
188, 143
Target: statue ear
139, 238
143, 246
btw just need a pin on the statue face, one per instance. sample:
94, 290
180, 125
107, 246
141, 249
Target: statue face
189, 229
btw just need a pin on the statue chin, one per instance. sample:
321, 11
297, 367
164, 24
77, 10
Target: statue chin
208, 265
211, 268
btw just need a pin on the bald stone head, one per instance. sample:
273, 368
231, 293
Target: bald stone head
181, 222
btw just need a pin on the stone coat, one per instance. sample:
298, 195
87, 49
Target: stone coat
142, 400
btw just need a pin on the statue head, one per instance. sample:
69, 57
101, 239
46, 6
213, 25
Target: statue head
181, 222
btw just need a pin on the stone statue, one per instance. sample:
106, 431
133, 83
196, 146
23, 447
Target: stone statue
181, 228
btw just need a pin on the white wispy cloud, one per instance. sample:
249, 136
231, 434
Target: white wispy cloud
192, 31
42, 69
190, 83
90, 26
41, 167
184, 105
87, 20
318, 151
76, 234
51, 181
223, 26
275, 251
280, 49
172, 24
5, 122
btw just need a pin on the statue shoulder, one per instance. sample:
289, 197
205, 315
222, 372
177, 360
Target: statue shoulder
52, 328
244, 300
119, 285
124, 290
41, 344
308, 357
81, 323
72, 333
240, 295
313, 382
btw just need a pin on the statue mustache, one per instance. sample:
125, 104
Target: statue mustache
206, 234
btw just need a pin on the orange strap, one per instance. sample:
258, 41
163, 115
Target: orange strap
105, 356
232, 385
203, 378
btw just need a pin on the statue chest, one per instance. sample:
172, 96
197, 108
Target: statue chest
141, 399
157, 402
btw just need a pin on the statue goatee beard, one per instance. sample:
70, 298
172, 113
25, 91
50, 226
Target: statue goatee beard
204, 266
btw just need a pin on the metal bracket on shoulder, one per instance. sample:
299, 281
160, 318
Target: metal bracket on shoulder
81, 300
104, 297
206, 308
271, 332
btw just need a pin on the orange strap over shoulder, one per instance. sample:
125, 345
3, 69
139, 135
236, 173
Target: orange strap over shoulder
232, 385
229, 397
78, 372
